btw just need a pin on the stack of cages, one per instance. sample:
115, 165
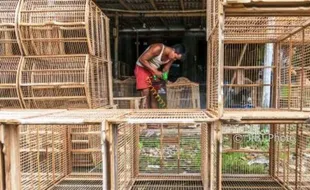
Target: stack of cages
67, 50
63, 150
163, 150
183, 94
265, 156
259, 63
10, 55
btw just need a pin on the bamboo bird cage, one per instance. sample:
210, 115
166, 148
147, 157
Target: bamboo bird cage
258, 62
183, 94
56, 149
79, 81
166, 149
63, 27
9, 86
8, 30
265, 156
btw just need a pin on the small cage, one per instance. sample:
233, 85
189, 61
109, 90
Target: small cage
183, 94
265, 156
8, 30
157, 150
130, 102
9, 94
63, 27
80, 81
125, 88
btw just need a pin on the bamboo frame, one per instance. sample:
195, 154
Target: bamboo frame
183, 94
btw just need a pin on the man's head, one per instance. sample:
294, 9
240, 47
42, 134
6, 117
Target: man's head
178, 52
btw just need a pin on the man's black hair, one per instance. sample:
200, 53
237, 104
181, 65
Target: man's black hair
179, 49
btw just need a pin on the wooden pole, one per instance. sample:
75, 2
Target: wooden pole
11, 157
2, 174
116, 40
221, 60
104, 151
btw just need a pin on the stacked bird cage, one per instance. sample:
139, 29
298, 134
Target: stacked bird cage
265, 156
163, 149
58, 27
10, 53
67, 63
183, 94
8, 37
260, 62
9, 94
79, 81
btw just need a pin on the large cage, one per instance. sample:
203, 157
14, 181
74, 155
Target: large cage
125, 88
163, 149
63, 27
57, 149
8, 30
79, 81
257, 62
183, 94
9, 88
266, 154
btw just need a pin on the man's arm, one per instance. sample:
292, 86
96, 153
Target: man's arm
148, 55
167, 66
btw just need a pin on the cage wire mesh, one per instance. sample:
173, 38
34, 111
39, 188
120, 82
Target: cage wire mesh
9, 91
43, 156
53, 27
49, 153
265, 156
183, 94
244, 70
80, 81
163, 155
8, 30
294, 71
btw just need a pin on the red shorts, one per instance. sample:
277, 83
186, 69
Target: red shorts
141, 78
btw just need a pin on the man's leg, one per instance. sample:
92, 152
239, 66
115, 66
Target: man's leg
146, 93
154, 103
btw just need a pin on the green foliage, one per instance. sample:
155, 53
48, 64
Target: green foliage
236, 163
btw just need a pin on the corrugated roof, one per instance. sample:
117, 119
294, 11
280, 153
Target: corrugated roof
141, 21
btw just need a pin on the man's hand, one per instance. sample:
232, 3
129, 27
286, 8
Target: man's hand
158, 74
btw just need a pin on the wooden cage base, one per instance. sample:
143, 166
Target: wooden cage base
253, 183
79, 182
